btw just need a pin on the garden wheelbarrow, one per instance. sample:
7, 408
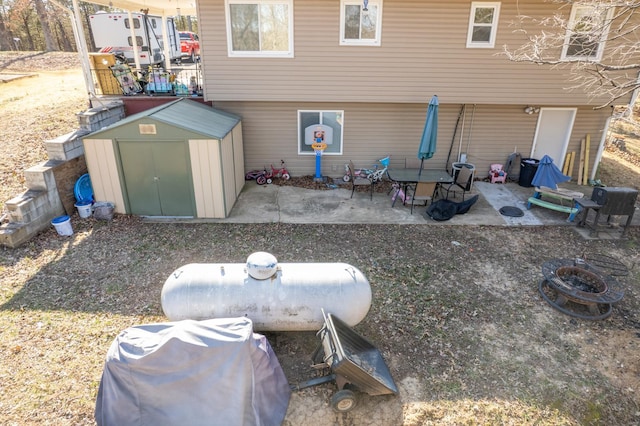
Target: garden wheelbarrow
350, 360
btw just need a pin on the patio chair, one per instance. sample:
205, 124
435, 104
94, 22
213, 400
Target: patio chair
359, 181
422, 192
462, 183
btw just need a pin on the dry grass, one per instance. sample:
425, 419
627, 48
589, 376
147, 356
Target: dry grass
456, 313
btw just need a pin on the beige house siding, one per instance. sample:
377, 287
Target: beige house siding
372, 131
423, 52
103, 168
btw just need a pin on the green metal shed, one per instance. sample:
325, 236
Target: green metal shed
181, 159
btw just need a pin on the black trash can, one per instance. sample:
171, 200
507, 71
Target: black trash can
528, 169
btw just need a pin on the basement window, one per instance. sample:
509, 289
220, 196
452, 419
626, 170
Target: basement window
333, 119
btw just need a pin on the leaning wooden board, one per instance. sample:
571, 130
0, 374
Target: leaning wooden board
587, 147
571, 161
581, 164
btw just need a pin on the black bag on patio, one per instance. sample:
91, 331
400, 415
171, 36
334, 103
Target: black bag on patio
443, 210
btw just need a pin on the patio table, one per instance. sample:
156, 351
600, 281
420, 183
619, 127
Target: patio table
406, 177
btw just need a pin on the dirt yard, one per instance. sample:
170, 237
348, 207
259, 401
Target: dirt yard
456, 311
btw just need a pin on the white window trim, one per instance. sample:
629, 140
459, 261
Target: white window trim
494, 25
569, 33
260, 54
377, 41
301, 136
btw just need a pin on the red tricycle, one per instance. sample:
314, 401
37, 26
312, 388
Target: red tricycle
266, 176
282, 172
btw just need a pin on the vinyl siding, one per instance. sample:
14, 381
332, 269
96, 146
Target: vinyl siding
373, 131
423, 52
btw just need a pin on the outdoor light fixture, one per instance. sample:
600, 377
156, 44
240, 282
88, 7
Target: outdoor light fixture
531, 109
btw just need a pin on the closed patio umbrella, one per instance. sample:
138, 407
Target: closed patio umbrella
548, 174
430, 133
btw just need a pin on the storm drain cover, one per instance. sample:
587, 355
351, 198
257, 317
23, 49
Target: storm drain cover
511, 211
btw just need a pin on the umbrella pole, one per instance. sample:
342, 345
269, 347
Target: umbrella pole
421, 162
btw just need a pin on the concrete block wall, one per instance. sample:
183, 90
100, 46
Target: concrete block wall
66, 147
96, 118
32, 212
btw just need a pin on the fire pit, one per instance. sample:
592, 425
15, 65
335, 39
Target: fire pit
579, 289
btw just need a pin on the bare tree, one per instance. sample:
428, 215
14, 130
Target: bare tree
597, 40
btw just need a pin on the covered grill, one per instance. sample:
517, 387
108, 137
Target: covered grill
610, 202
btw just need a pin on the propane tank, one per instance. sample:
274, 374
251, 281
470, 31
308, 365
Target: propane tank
276, 297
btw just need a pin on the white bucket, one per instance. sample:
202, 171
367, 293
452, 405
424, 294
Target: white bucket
62, 225
84, 209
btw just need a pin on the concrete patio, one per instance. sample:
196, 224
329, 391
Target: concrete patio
289, 204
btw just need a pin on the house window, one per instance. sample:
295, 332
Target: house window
588, 28
360, 22
260, 28
333, 119
483, 24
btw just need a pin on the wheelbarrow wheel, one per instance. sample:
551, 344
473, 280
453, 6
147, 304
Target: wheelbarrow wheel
344, 400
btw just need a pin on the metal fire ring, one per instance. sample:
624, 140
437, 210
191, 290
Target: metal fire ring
576, 281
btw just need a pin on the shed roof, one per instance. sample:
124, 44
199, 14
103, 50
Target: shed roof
184, 113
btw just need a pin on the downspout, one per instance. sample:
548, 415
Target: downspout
464, 115
603, 141
473, 115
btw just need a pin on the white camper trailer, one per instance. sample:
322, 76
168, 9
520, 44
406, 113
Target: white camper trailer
113, 33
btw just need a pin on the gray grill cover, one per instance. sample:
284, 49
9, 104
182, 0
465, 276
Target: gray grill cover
213, 372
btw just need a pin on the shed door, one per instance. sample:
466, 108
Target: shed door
157, 178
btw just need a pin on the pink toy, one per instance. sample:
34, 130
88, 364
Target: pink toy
496, 174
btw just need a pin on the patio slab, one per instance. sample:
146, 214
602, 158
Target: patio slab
290, 204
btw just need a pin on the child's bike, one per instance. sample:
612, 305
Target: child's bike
260, 176
282, 173
374, 174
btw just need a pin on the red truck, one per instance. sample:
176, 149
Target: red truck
189, 45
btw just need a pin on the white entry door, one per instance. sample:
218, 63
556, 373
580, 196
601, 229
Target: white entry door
553, 133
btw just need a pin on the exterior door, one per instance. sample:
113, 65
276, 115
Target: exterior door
553, 133
157, 178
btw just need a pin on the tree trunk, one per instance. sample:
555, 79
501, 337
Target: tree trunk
63, 39
44, 23
6, 41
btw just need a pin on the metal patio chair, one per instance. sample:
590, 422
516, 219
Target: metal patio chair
462, 183
357, 180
